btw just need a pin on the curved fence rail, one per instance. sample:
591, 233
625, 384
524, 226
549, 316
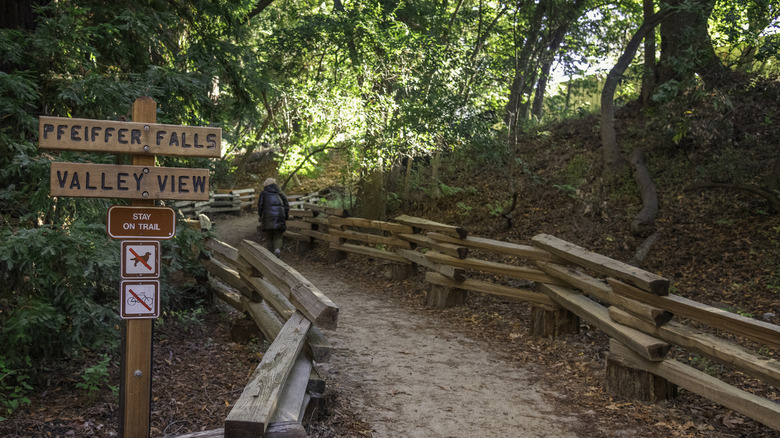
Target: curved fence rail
562, 281
565, 282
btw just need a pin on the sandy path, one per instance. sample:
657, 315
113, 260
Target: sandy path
409, 378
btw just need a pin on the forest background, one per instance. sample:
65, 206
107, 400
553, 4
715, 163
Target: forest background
421, 102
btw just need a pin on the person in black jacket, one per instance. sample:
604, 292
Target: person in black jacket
273, 208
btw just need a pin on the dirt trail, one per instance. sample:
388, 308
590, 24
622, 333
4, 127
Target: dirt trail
410, 375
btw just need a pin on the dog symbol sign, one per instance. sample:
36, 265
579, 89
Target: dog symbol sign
141, 259
140, 299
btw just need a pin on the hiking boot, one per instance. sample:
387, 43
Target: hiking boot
278, 253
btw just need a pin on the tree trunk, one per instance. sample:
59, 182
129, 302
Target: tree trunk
686, 47
613, 161
649, 75
644, 222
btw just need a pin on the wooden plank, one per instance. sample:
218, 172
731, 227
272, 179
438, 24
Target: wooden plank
370, 238
297, 212
369, 252
225, 293
128, 137
759, 331
367, 223
291, 398
216, 433
458, 251
298, 224
272, 294
295, 235
425, 224
317, 345
642, 279
603, 291
750, 405
645, 345
303, 294
508, 248
268, 321
321, 222
340, 212
88, 180
228, 275
491, 288
455, 274
521, 272
252, 412
720, 350
318, 235
285, 429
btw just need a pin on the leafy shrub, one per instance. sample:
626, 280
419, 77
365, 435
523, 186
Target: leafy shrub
13, 387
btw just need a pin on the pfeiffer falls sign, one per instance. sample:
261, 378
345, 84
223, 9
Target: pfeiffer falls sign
128, 137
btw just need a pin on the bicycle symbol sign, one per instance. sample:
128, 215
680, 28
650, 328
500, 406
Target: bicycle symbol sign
140, 299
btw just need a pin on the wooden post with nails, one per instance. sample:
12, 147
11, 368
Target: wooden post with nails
135, 384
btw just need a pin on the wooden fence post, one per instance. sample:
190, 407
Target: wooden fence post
443, 297
135, 382
553, 322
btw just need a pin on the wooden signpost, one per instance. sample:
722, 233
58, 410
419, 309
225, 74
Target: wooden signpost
141, 222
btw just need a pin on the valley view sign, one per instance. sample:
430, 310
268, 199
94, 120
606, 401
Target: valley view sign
128, 181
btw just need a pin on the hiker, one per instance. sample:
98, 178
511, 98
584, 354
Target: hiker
273, 209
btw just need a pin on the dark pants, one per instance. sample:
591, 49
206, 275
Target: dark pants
273, 239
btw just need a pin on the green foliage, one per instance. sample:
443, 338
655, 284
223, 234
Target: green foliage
495, 210
13, 386
94, 378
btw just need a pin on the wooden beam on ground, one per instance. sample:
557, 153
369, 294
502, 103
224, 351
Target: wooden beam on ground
648, 347
369, 252
750, 405
251, 414
759, 331
302, 293
491, 288
715, 348
521, 272
603, 291
496, 246
458, 251
367, 223
455, 274
425, 224
644, 280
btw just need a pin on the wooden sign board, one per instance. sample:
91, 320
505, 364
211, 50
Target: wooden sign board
128, 137
86, 180
131, 222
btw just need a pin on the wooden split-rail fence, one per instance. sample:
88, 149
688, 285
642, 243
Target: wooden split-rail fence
562, 281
